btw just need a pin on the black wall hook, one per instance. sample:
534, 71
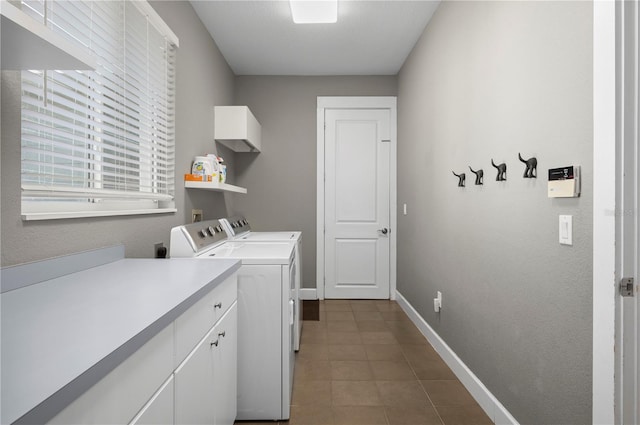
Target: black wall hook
479, 175
502, 171
531, 170
461, 178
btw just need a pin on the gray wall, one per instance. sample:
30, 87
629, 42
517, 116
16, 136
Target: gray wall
281, 180
488, 80
203, 80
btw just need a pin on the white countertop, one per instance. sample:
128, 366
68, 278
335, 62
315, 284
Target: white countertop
54, 331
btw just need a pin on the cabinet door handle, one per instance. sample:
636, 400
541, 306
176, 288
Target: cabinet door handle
222, 334
214, 343
218, 305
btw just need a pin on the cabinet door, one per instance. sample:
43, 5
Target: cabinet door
193, 384
159, 410
225, 367
117, 397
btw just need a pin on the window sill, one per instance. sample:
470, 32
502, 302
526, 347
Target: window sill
32, 216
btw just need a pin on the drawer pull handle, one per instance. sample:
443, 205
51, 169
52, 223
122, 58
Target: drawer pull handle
214, 343
222, 334
219, 305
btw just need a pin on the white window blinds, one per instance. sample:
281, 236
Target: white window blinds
101, 142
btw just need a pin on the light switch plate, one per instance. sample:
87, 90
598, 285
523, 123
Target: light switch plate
565, 229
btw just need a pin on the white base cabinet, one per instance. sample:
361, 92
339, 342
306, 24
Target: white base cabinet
186, 374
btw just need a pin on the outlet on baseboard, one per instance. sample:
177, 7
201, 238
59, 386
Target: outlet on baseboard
437, 302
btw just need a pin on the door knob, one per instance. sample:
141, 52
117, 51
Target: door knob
384, 230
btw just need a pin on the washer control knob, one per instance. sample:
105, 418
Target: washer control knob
202, 233
212, 231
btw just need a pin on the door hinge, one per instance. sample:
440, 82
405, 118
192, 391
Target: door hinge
627, 287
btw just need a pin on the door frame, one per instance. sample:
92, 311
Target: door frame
607, 176
355, 102
604, 199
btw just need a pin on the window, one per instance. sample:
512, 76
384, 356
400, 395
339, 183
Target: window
101, 142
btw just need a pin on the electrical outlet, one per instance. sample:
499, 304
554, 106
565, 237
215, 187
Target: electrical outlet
159, 250
437, 302
196, 216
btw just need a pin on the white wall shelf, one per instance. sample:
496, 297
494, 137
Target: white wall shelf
215, 186
29, 44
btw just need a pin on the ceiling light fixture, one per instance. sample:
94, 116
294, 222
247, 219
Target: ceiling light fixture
314, 11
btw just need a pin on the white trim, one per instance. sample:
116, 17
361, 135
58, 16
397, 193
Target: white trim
45, 191
320, 199
154, 19
604, 205
364, 102
487, 401
83, 214
308, 294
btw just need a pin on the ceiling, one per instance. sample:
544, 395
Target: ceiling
258, 37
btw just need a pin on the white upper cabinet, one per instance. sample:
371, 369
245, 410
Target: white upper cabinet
29, 44
237, 129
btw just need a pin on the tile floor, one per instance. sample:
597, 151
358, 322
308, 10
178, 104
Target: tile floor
364, 362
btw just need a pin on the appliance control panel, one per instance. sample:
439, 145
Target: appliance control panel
205, 233
237, 225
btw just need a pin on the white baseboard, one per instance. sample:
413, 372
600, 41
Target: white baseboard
489, 403
308, 294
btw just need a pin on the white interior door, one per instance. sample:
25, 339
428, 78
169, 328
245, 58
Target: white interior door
627, 221
357, 203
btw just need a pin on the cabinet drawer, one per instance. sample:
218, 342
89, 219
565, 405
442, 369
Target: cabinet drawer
117, 397
194, 323
224, 295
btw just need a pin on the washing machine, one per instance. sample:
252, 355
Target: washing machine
238, 228
266, 313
